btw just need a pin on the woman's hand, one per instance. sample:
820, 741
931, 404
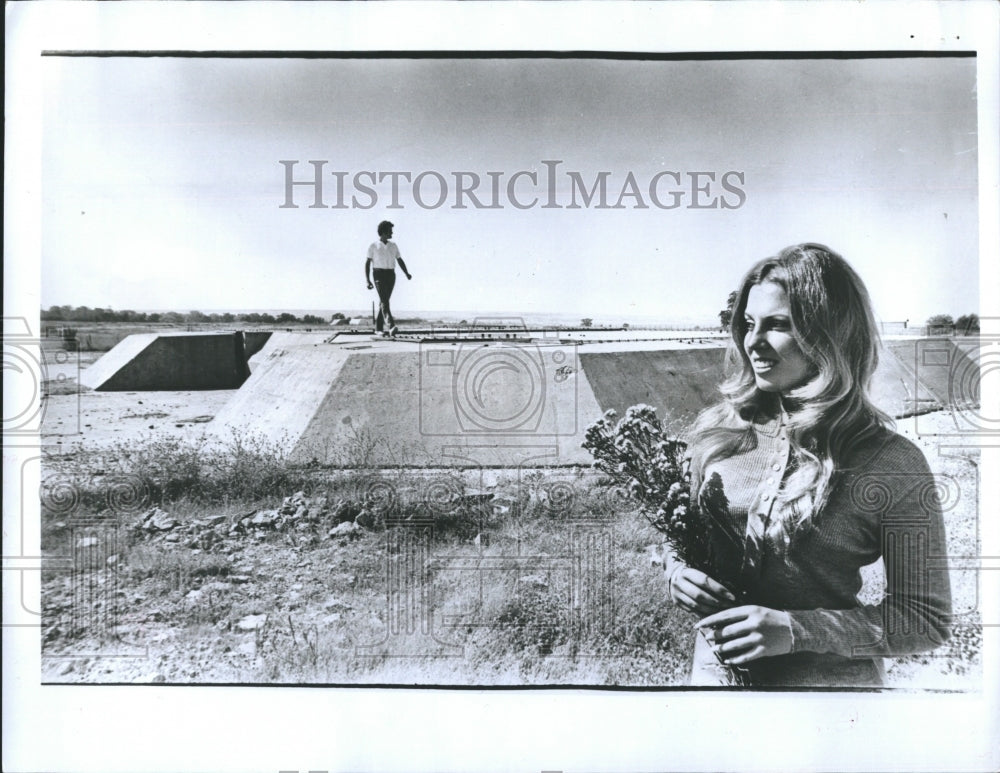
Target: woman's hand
742, 634
697, 592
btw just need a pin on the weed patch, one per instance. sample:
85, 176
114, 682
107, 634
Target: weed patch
369, 576
164, 471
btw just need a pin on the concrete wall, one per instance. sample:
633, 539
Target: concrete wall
946, 368
171, 362
494, 406
359, 401
677, 382
254, 340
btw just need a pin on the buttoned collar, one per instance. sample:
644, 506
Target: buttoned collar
772, 422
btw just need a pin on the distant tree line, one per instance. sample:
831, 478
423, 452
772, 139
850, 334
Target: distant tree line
938, 323
964, 325
87, 314
726, 315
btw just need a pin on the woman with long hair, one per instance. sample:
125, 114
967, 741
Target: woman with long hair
815, 486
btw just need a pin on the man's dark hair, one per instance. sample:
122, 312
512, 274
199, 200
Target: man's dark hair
383, 227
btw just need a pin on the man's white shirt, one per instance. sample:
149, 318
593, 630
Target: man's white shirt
383, 255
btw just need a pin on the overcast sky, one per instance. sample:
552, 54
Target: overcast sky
162, 187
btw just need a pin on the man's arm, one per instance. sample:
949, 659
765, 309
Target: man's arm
368, 272
402, 265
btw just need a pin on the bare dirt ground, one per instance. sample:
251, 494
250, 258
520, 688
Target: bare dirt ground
99, 419
257, 607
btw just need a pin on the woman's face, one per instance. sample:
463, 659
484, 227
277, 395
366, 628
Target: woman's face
777, 361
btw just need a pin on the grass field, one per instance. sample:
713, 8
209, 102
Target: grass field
171, 562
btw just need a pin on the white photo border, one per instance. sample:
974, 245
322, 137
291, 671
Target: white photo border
179, 728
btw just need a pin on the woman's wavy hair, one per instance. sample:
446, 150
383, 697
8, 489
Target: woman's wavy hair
828, 415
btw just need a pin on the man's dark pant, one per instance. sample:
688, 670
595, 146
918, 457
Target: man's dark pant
385, 280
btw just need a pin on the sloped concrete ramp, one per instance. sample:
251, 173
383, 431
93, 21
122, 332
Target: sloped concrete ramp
120, 356
280, 399
680, 383
947, 370
895, 387
677, 382
170, 362
278, 341
356, 401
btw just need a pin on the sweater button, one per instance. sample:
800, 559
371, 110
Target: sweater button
776, 467
766, 497
770, 481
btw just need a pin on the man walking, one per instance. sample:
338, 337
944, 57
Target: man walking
383, 256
